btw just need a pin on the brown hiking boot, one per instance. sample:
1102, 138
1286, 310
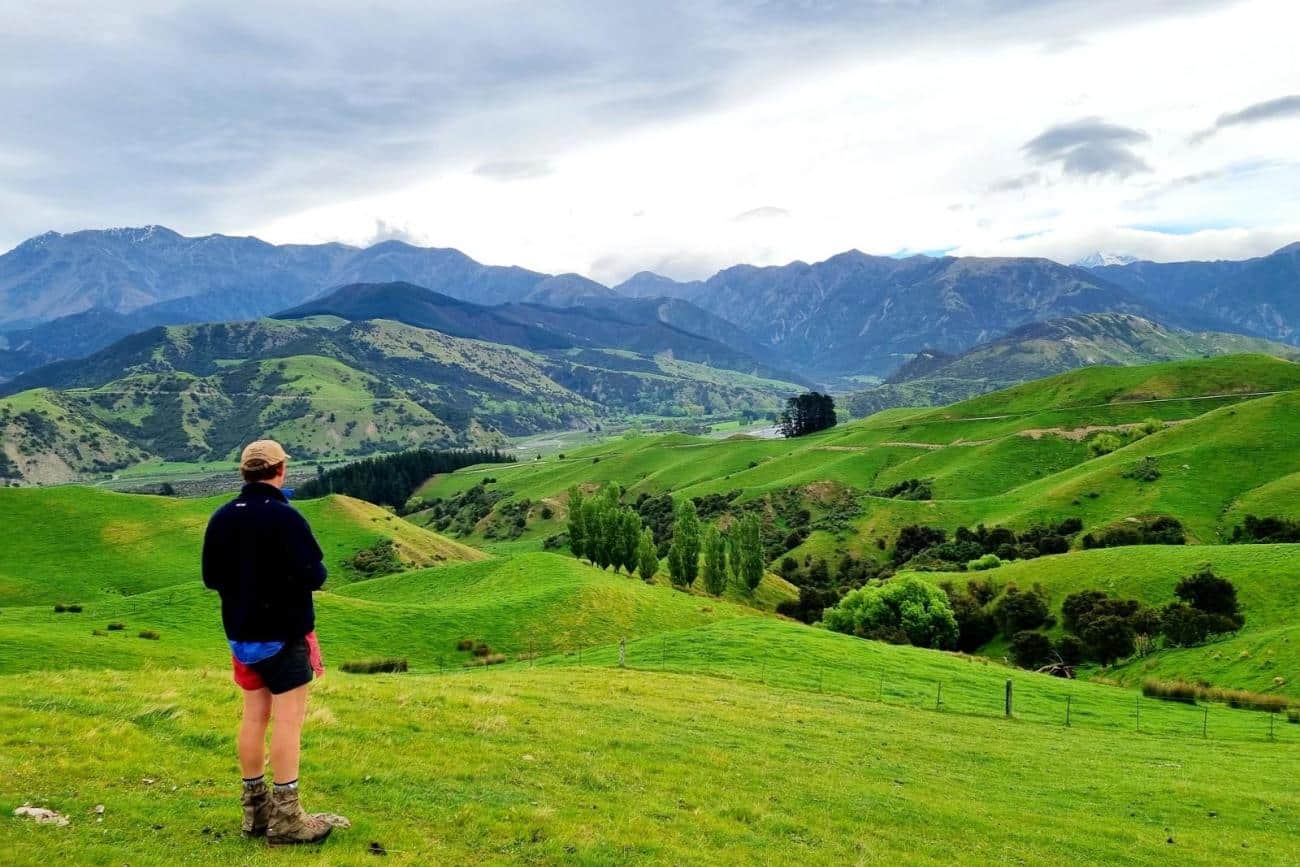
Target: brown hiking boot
289, 824
257, 809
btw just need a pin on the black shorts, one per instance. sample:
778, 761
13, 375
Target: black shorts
286, 670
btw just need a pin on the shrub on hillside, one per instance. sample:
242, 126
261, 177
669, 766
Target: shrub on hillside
915, 538
1030, 649
1018, 610
1207, 592
1160, 530
1145, 470
1184, 626
976, 627
908, 489
386, 665
116, 627
149, 635
1108, 638
1104, 444
900, 611
379, 559
1071, 650
982, 564
1266, 530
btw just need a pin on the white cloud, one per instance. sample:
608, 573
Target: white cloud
881, 127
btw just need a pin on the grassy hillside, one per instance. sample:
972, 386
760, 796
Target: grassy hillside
1267, 578
1044, 349
1014, 457
540, 603
47, 437
329, 388
72, 544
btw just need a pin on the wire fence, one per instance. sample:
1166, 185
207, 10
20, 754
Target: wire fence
990, 690
924, 680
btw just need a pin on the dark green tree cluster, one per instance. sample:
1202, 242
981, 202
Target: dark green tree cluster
607, 533
1159, 530
930, 546
820, 587
1263, 531
390, 480
684, 552
807, 413
1106, 629
715, 556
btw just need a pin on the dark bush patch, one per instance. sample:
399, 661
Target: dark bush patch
1030, 649
1018, 610
374, 666
908, 489
1266, 530
1160, 530
379, 559
149, 635
116, 627
1145, 470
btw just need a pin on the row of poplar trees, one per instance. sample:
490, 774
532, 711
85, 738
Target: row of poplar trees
608, 533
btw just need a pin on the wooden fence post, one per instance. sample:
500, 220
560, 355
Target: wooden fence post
1008, 699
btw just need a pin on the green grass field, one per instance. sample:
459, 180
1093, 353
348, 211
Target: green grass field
717, 733
593, 765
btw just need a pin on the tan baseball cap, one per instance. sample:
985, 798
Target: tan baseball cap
262, 454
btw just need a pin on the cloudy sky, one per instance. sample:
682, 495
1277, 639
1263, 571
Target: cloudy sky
606, 138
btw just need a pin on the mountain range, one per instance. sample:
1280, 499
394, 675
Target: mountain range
852, 315
368, 368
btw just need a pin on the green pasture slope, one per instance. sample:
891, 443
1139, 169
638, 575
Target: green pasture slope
73, 544
1230, 444
538, 603
712, 760
1263, 657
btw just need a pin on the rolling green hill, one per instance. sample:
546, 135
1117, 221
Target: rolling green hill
717, 727
328, 388
1044, 349
1267, 578
71, 544
1224, 437
1017, 456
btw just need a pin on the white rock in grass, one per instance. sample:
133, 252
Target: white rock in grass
334, 820
41, 815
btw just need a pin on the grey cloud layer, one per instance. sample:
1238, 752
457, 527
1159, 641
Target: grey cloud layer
221, 115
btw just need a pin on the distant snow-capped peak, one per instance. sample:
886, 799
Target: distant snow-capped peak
1099, 259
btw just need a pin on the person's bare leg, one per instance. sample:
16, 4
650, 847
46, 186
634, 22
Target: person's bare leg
288, 710
252, 733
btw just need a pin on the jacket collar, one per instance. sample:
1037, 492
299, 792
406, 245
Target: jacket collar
262, 489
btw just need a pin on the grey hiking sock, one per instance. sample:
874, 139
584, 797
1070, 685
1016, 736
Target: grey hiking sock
250, 782
290, 786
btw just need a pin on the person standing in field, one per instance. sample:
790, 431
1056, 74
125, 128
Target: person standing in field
260, 555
